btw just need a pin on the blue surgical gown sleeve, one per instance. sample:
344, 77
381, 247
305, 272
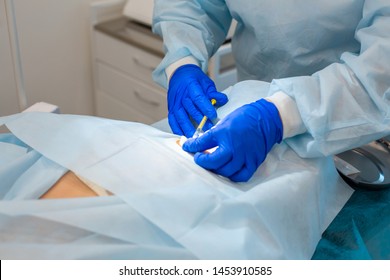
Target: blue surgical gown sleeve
346, 104
203, 25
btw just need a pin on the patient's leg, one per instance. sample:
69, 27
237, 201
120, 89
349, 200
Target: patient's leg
70, 186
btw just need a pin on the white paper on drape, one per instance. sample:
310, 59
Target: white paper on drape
164, 205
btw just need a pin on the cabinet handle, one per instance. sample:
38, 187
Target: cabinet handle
144, 100
139, 63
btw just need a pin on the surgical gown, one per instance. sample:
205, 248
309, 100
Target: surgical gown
331, 57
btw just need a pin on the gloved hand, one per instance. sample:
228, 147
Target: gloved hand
189, 94
243, 138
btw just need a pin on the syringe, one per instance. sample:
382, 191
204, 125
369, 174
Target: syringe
199, 129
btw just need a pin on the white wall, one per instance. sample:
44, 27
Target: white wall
54, 41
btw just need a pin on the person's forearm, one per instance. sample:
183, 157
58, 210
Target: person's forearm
288, 111
183, 61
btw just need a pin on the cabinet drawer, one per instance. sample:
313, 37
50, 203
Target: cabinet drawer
109, 107
134, 93
125, 57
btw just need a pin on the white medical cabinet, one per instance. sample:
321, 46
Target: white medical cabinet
126, 52
124, 62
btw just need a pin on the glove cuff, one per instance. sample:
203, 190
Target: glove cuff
181, 62
184, 68
272, 118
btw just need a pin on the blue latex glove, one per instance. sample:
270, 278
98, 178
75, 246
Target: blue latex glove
189, 94
243, 138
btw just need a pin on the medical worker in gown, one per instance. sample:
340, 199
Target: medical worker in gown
327, 62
